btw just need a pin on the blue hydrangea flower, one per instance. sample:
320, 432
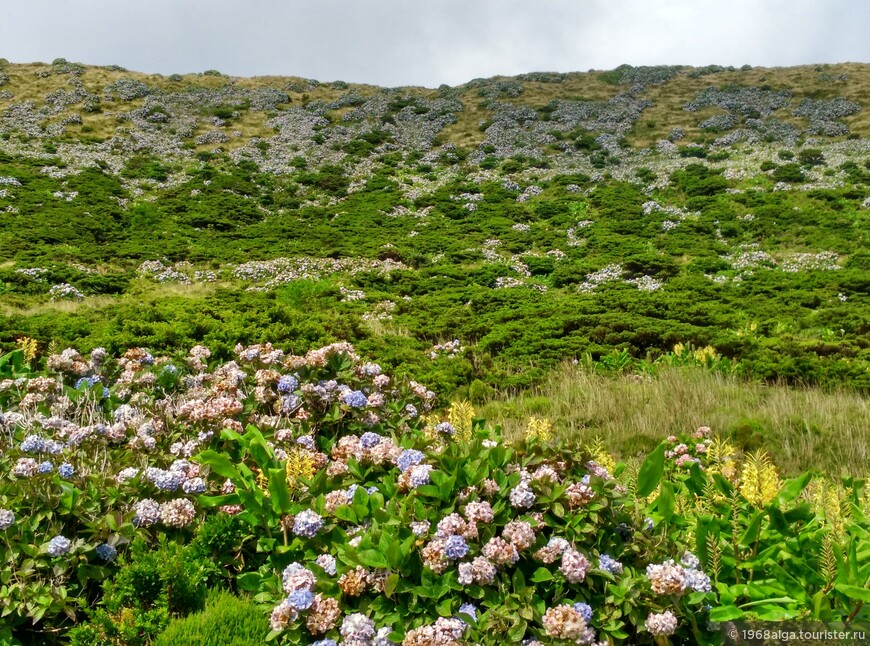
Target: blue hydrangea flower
46, 467
446, 428
66, 470
469, 609
325, 642
609, 564
307, 523
33, 444
371, 490
411, 411
585, 610
169, 480
193, 485
409, 458
90, 381
7, 519
419, 475
287, 384
356, 399
369, 439
290, 403
106, 393
300, 599
53, 446
455, 547
690, 561
106, 552
696, 580
306, 441
59, 545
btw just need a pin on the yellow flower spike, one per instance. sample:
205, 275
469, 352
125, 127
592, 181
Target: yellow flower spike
300, 464
29, 346
720, 458
600, 454
828, 502
678, 349
705, 354
759, 482
539, 429
460, 416
262, 481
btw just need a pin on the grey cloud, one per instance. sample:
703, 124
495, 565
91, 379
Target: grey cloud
403, 42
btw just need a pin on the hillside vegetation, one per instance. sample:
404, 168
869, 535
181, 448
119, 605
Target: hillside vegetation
634, 209
250, 330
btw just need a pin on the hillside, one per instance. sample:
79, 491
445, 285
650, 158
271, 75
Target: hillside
532, 219
553, 359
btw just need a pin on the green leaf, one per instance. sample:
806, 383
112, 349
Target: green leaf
218, 501
725, 613
345, 513
249, 581
793, 488
516, 632
256, 445
665, 502
651, 471
778, 521
373, 558
753, 530
519, 581
820, 604
281, 503
220, 463
542, 574
390, 584
854, 592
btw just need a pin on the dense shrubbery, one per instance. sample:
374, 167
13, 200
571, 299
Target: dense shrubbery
479, 275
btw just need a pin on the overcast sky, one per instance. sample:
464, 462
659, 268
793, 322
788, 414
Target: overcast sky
429, 42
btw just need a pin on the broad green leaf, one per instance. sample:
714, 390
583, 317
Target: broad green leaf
390, 584
281, 503
854, 592
793, 488
219, 463
542, 574
249, 581
665, 502
752, 530
651, 471
373, 558
725, 613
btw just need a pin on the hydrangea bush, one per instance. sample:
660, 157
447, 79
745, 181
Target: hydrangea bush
373, 518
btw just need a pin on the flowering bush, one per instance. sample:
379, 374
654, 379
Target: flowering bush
361, 515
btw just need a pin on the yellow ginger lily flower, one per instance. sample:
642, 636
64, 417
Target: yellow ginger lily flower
539, 429
759, 482
461, 416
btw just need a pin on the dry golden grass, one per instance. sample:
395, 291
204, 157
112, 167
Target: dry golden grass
63, 306
385, 328
803, 428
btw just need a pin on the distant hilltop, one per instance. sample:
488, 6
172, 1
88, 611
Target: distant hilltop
87, 114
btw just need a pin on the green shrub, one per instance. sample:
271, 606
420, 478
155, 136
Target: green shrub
227, 620
790, 173
479, 391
